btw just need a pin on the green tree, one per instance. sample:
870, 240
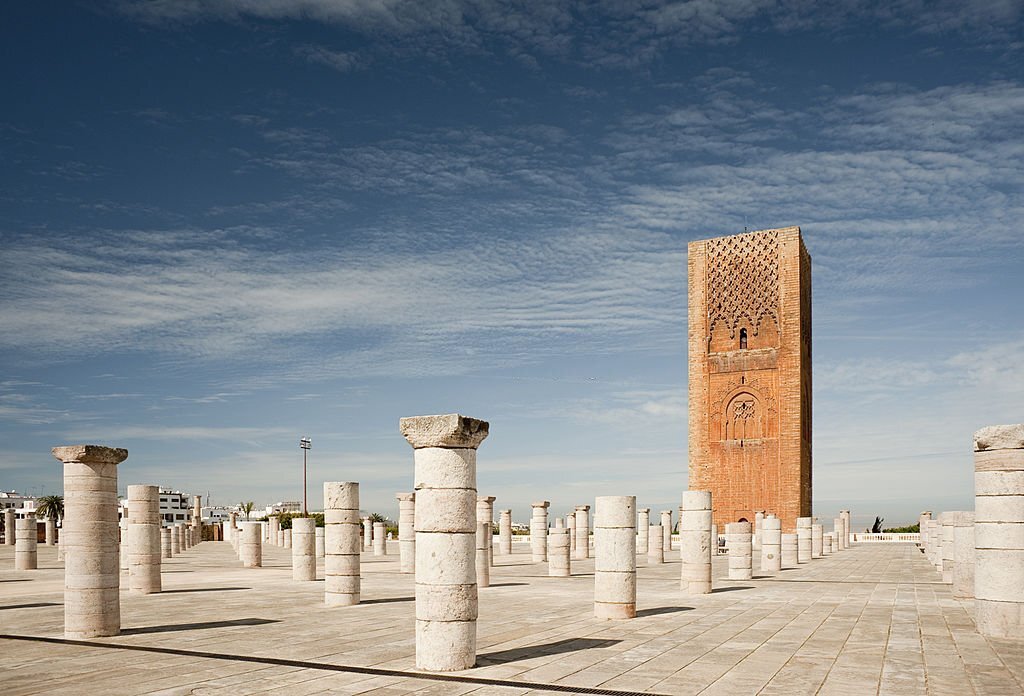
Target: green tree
247, 509
50, 506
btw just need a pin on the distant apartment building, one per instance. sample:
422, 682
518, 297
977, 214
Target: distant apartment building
20, 503
283, 506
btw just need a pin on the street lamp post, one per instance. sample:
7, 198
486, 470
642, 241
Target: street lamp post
305, 443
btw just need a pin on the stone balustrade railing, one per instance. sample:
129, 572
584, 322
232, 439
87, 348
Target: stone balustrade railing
913, 538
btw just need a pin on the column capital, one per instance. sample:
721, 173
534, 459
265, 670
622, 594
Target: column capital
405, 497
583, 507
90, 454
996, 437
489, 499
541, 504
450, 431
647, 510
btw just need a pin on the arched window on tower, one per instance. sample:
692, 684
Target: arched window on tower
743, 339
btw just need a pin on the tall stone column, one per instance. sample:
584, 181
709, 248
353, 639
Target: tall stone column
837, 529
803, 540
582, 531
947, 520
175, 539
318, 541
367, 533
695, 542
485, 513
144, 539
826, 544
790, 550
9, 527
341, 543
570, 524
482, 558
963, 556
380, 539
922, 521
92, 606
122, 536
303, 549
739, 540
999, 530
26, 543
559, 565
771, 544
444, 452
845, 516
406, 532
286, 538
655, 545
250, 545
643, 528
165, 543
615, 557
505, 532
666, 530
539, 531
935, 534
51, 531
275, 528
817, 545
756, 539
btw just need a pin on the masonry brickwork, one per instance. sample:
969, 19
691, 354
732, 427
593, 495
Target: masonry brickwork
750, 374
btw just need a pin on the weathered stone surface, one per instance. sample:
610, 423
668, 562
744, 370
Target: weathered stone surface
90, 454
996, 437
450, 431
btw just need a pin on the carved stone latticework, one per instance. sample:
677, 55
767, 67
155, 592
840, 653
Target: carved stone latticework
743, 280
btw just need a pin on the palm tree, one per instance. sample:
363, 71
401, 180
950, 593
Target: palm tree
246, 508
50, 506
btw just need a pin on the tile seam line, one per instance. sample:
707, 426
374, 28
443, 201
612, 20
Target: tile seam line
351, 669
860, 615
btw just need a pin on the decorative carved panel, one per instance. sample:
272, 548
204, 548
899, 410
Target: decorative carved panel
743, 280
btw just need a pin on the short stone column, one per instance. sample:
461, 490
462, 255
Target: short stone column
643, 528
166, 550
342, 545
922, 531
771, 545
935, 536
826, 544
837, 529
485, 513
505, 532
845, 516
26, 535
655, 545
570, 524
143, 539
666, 530
303, 549
999, 531
9, 527
287, 538
947, 520
368, 533
755, 541
739, 540
318, 541
817, 541
559, 565
482, 559
695, 547
582, 531
790, 550
380, 538
539, 531
250, 545
280, 538
963, 556
803, 540
275, 530
175, 539
122, 536
444, 453
92, 607
406, 532
51, 531
615, 557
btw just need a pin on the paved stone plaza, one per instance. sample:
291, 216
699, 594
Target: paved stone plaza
874, 619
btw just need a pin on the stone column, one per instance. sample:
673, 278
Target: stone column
666, 530
406, 532
643, 528
559, 565
367, 533
122, 536
143, 539
166, 551
695, 542
26, 543
999, 531
922, 521
51, 531
845, 516
505, 532
803, 540
771, 545
837, 529
92, 606
197, 512
817, 545
740, 542
250, 545
935, 535
539, 531
485, 513
790, 552
341, 543
570, 524
280, 538
482, 557
303, 533
947, 520
275, 527
655, 545
175, 539
615, 557
318, 541
756, 539
380, 539
826, 544
287, 538
444, 452
9, 527
963, 556
582, 531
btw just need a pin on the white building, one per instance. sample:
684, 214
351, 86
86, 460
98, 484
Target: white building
284, 506
20, 503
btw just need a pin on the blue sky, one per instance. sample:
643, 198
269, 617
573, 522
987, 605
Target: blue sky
225, 225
